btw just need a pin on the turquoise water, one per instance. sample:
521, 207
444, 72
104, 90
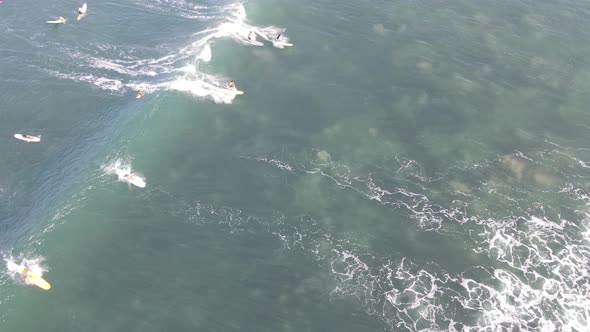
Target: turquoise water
404, 166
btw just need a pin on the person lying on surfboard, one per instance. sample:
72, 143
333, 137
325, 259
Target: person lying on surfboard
33, 278
232, 84
29, 137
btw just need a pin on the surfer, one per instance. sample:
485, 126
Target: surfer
24, 272
250, 35
232, 84
82, 11
279, 36
29, 137
33, 278
61, 20
139, 94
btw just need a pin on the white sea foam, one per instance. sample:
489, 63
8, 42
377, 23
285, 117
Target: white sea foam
101, 82
181, 8
541, 280
273, 161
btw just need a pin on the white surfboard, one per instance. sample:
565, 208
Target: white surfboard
57, 22
281, 44
134, 180
82, 11
27, 138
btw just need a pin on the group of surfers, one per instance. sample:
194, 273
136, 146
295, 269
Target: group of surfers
81, 12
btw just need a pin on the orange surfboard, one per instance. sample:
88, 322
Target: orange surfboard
34, 279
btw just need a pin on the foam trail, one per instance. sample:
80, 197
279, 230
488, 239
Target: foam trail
180, 8
101, 82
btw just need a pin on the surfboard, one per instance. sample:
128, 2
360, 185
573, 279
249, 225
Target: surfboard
134, 180
82, 10
34, 279
56, 22
32, 139
280, 44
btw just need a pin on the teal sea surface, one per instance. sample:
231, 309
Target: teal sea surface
390, 165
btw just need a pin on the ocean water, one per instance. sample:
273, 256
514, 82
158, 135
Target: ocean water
403, 166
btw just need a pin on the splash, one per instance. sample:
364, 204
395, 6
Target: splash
34, 264
205, 55
122, 168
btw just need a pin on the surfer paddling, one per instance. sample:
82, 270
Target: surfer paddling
24, 272
33, 278
82, 10
27, 138
59, 20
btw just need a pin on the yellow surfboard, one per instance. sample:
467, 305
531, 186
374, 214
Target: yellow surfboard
34, 278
